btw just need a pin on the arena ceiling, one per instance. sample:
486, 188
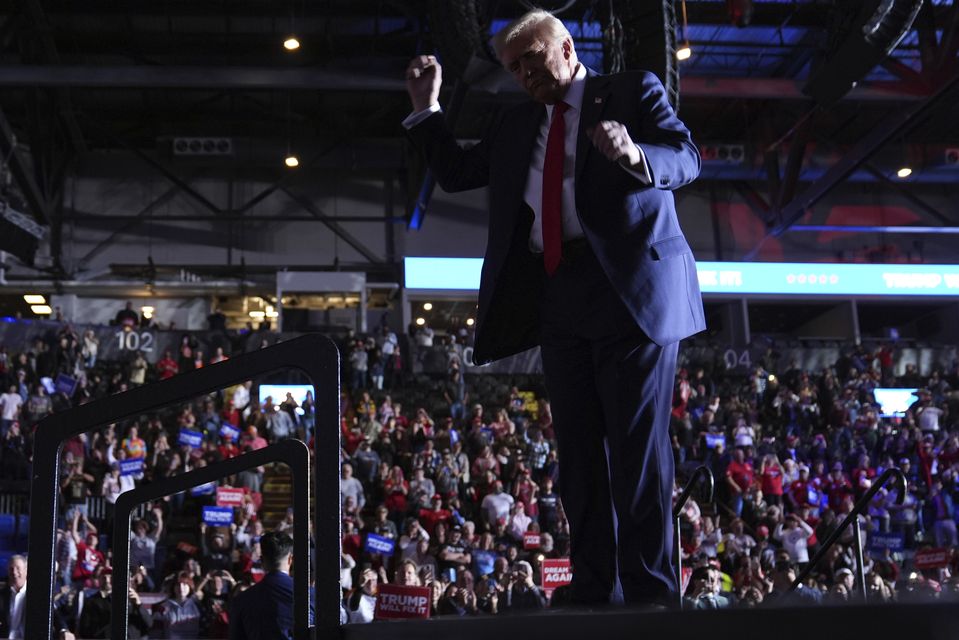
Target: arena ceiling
91, 84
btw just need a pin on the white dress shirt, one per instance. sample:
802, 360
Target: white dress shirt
18, 604
533, 193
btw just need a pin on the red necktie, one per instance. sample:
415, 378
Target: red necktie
553, 189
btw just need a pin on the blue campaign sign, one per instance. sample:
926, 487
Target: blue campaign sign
713, 439
229, 431
192, 438
207, 489
218, 516
894, 541
131, 466
65, 384
379, 544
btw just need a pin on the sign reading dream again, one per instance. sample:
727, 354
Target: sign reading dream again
556, 573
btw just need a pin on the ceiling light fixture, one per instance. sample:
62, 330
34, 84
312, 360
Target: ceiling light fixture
427, 306
291, 43
291, 161
420, 322
903, 173
34, 298
41, 309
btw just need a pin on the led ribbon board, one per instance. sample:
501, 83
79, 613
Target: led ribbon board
776, 278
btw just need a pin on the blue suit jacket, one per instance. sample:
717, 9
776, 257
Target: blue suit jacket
265, 610
631, 227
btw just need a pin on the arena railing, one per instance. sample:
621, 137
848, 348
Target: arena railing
853, 519
703, 475
315, 355
292, 452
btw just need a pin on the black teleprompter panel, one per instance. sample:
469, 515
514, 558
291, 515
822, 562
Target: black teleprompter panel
314, 355
293, 452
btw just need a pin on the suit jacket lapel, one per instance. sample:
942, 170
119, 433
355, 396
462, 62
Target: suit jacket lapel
525, 132
594, 103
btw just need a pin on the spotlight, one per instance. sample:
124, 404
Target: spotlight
292, 161
34, 298
41, 309
291, 43
684, 52
427, 306
470, 322
420, 322
904, 172
147, 312
257, 315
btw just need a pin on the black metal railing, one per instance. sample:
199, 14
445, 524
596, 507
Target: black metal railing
293, 452
853, 518
702, 474
314, 355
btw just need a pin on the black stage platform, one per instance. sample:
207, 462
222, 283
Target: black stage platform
882, 622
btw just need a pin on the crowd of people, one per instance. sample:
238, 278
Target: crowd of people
464, 499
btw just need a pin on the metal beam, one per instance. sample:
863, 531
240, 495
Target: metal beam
756, 203
199, 77
36, 200
894, 124
48, 47
133, 222
308, 79
81, 217
900, 187
333, 226
162, 169
949, 44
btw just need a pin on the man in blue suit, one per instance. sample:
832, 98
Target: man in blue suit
586, 258
265, 610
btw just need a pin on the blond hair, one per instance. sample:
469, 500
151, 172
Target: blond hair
540, 20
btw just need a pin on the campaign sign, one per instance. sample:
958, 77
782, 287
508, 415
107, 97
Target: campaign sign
712, 439
131, 466
204, 489
187, 548
894, 541
47, 383
394, 601
531, 541
192, 438
685, 578
932, 558
227, 497
229, 431
379, 544
218, 516
556, 573
65, 384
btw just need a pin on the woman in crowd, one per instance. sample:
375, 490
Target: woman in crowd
179, 615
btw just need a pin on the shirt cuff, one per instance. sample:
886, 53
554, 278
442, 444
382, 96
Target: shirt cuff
640, 170
419, 116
